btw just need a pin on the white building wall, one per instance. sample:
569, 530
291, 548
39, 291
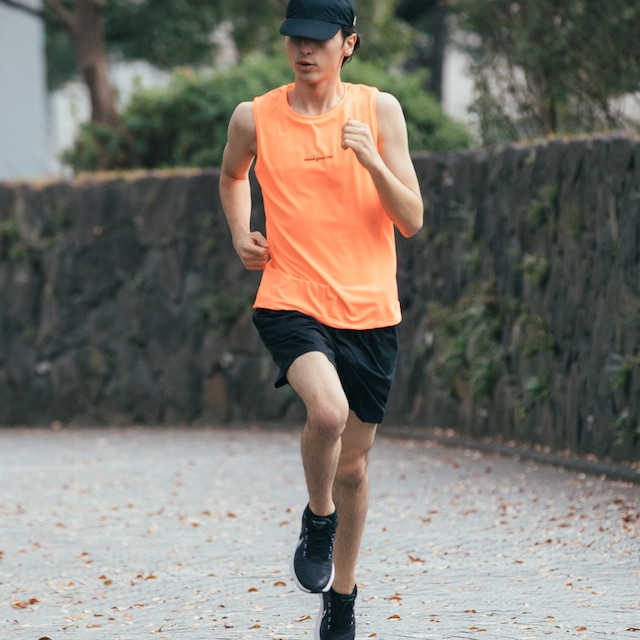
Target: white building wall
23, 121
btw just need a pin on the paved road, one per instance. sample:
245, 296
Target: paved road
119, 534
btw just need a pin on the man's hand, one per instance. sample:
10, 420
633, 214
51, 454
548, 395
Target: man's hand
357, 136
253, 250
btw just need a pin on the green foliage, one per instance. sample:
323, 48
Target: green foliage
544, 66
60, 55
170, 33
622, 369
218, 313
166, 33
626, 425
537, 269
537, 389
573, 220
9, 237
429, 128
536, 338
541, 208
469, 344
185, 124
98, 147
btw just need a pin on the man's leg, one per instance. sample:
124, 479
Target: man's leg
316, 381
351, 495
336, 618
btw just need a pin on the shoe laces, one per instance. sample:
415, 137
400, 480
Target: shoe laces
339, 612
318, 540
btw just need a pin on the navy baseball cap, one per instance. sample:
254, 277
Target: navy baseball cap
318, 19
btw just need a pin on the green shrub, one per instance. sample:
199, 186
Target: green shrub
185, 123
469, 343
429, 128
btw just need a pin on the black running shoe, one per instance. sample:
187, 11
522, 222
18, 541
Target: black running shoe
312, 563
337, 620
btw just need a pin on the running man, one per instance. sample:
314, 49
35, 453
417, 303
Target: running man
333, 163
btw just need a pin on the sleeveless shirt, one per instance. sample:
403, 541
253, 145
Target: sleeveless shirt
331, 244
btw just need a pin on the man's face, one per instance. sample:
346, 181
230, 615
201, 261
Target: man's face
315, 60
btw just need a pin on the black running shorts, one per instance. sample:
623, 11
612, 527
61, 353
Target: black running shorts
364, 359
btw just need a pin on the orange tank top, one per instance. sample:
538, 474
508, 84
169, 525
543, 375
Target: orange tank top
331, 244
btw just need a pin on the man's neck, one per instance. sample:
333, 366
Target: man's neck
316, 99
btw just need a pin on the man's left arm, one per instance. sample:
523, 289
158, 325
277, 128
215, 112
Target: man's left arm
391, 167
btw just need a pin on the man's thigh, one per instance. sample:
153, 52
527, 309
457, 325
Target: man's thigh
315, 379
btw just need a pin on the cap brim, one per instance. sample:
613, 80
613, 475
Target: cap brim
314, 29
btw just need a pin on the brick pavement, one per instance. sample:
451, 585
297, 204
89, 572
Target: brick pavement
122, 534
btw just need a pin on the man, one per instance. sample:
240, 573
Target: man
336, 176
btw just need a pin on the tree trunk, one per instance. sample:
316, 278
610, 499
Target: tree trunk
88, 39
86, 29
429, 16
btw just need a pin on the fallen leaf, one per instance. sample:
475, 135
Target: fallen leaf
22, 604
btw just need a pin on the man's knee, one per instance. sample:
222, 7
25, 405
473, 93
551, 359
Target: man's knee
328, 419
352, 472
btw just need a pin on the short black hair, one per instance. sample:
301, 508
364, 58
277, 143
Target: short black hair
346, 32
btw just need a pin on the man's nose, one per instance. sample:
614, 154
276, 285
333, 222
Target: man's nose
306, 44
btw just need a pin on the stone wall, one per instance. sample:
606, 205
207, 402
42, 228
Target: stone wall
121, 301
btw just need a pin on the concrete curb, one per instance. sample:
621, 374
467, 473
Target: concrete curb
613, 471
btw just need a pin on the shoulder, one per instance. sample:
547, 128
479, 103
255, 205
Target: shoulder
391, 120
242, 117
388, 106
392, 126
242, 126
241, 134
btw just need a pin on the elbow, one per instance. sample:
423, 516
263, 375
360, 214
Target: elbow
413, 224
410, 231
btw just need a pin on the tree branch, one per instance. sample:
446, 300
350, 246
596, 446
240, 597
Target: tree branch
24, 8
68, 19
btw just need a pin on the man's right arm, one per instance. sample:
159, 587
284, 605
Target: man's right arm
235, 190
